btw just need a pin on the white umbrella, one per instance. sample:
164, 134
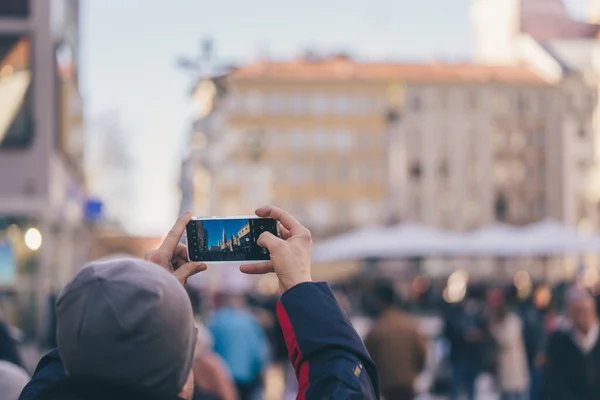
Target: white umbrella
496, 239
416, 240
549, 237
353, 245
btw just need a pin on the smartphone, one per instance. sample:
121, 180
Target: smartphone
228, 239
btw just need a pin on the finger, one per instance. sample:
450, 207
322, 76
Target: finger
257, 269
168, 246
179, 262
286, 220
181, 252
269, 241
184, 272
284, 233
148, 255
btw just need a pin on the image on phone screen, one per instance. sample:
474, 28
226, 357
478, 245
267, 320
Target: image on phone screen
228, 239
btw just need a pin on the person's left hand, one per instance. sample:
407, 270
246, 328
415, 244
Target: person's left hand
172, 255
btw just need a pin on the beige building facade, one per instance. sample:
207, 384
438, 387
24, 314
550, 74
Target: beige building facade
344, 144
480, 152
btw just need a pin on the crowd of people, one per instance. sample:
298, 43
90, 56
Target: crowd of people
531, 350
130, 328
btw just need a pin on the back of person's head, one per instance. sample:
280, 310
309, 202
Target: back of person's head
385, 293
12, 380
581, 308
127, 322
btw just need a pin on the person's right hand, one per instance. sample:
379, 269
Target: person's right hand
290, 254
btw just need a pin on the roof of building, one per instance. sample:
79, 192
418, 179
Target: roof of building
342, 68
575, 55
549, 19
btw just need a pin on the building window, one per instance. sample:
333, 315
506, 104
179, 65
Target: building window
342, 105
367, 172
533, 210
319, 104
298, 139
541, 207
16, 100
472, 99
591, 100
276, 139
321, 139
343, 213
443, 169
443, 98
343, 140
570, 101
541, 138
501, 208
321, 171
415, 170
321, 212
363, 211
299, 173
366, 139
522, 104
343, 172
416, 103
275, 103
254, 102
297, 103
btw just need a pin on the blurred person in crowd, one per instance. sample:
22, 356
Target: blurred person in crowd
240, 340
533, 312
467, 331
120, 344
507, 331
12, 380
396, 345
8, 345
572, 369
211, 375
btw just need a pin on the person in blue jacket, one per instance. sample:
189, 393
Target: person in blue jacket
329, 358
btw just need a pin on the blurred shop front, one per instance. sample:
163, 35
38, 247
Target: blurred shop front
43, 235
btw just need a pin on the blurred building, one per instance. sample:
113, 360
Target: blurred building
310, 137
344, 144
42, 188
542, 35
481, 144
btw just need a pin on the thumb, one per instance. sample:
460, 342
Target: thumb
269, 241
184, 272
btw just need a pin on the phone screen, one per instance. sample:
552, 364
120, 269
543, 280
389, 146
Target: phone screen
228, 239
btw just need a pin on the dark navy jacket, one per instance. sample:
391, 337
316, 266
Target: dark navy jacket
330, 359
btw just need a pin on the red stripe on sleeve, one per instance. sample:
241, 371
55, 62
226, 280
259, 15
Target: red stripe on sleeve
294, 353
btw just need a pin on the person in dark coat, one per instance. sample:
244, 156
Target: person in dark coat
467, 332
572, 369
329, 358
8, 346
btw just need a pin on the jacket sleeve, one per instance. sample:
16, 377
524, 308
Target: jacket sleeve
49, 371
330, 359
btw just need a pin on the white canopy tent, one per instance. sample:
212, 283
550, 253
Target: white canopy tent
544, 238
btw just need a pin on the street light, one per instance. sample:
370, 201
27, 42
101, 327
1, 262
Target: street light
33, 239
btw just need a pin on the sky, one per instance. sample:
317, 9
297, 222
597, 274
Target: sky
130, 50
215, 229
